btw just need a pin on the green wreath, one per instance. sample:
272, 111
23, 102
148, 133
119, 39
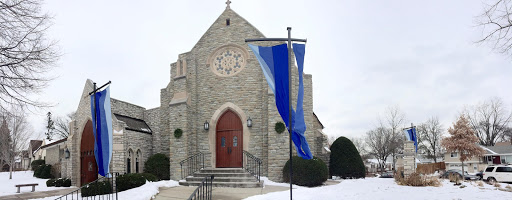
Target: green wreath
178, 133
280, 127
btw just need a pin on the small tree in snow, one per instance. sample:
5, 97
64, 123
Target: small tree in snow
463, 141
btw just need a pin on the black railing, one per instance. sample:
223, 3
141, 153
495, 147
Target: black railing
101, 188
192, 164
204, 190
252, 164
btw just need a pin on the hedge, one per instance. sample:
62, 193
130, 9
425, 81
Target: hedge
158, 165
308, 173
345, 160
60, 182
43, 171
97, 188
129, 181
36, 163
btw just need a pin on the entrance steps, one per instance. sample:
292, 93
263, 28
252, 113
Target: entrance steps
224, 177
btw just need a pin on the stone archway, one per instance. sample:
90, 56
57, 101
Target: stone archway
88, 167
229, 140
212, 131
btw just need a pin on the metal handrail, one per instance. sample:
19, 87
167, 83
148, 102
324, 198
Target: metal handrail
252, 164
77, 191
204, 190
192, 164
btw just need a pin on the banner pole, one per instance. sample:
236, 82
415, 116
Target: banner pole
290, 128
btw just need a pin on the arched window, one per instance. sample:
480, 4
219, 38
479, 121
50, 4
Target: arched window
137, 160
129, 161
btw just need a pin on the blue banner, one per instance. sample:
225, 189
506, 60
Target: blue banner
411, 136
102, 128
274, 64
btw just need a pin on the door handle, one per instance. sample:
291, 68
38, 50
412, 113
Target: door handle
229, 150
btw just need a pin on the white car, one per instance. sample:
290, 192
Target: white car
498, 173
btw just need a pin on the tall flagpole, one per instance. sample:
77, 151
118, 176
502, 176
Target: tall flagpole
290, 127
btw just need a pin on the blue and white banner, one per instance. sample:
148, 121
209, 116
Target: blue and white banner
102, 128
410, 133
274, 63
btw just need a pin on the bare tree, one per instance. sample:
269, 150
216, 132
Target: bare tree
429, 138
18, 135
496, 23
361, 147
379, 144
463, 141
26, 54
394, 121
58, 128
490, 120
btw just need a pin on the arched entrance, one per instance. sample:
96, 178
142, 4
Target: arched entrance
88, 167
229, 140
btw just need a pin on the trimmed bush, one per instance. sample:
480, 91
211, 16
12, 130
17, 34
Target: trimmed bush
158, 165
36, 163
345, 160
67, 183
308, 173
59, 182
97, 188
45, 171
129, 181
37, 172
50, 183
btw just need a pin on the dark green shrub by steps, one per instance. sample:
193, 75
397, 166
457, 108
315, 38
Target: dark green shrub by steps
97, 188
158, 165
345, 160
50, 183
59, 182
308, 173
129, 181
43, 171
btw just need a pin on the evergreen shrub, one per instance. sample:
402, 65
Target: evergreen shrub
129, 181
36, 163
50, 183
345, 160
97, 188
158, 165
308, 173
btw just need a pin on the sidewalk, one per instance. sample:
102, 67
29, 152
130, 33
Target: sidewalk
219, 193
36, 195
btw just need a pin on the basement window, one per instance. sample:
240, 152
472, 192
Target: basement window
228, 22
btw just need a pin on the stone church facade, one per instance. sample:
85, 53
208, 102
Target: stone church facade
219, 82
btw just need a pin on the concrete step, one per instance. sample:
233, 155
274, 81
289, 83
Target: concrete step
223, 179
223, 174
227, 184
222, 170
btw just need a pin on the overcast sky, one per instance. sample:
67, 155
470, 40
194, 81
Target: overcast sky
364, 55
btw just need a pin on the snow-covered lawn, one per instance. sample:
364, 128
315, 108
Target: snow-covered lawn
386, 188
21, 177
146, 191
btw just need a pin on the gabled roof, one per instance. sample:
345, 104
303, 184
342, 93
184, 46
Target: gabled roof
54, 143
496, 150
318, 120
134, 124
35, 144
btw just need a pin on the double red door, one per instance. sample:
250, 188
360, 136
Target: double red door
229, 140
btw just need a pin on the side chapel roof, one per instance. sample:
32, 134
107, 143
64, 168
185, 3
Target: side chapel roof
134, 124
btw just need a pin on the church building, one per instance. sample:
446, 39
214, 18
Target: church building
217, 96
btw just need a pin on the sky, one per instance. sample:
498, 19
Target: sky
365, 56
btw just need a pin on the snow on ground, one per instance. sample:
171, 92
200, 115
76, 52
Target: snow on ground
21, 177
386, 188
266, 181
146, 191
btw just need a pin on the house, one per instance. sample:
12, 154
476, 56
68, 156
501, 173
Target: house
494, 155
54, 153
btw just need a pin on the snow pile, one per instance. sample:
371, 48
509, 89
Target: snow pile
379, 188
266, 181
22, 177
146, 191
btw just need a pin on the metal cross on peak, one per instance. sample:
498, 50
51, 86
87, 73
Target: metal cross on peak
227, 3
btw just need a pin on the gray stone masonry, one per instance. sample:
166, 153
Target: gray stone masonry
409, 158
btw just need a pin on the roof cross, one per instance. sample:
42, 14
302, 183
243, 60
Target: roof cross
227, 3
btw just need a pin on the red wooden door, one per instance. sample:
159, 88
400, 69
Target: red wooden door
88, 167
229, 140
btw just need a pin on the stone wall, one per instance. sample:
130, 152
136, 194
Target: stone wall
409, 158
127, 109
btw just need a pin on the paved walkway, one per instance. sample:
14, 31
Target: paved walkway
219, 193
37, 195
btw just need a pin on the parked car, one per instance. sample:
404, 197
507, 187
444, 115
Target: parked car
498, 173
458, 172
480, 174
386, 175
